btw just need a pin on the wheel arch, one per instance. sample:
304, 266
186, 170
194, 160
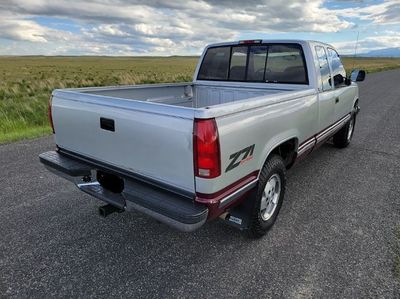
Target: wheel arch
355, 101
285, 148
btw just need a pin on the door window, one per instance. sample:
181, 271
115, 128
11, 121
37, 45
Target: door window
338, 71
324, 68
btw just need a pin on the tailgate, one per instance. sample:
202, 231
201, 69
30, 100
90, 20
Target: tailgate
148, 139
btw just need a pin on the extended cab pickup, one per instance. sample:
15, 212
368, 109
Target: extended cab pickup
219, 146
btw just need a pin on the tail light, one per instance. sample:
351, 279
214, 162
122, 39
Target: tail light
206, 152
50, 114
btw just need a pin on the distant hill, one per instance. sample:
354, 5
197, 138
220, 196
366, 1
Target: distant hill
388, 52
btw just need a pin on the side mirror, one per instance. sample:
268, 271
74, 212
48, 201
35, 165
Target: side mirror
357, 75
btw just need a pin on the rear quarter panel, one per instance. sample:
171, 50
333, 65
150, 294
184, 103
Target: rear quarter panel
265, 127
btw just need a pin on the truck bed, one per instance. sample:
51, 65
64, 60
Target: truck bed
182, 94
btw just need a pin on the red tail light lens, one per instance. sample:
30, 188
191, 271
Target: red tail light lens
50, 114
207, 158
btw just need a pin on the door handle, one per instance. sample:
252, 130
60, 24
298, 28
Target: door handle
336, 100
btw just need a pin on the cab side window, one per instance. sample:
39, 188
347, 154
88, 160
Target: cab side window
339, 73
324, 68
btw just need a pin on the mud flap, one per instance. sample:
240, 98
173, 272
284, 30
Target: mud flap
240, 216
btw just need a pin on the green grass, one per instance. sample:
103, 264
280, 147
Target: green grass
26, 82
371, 65
25, 133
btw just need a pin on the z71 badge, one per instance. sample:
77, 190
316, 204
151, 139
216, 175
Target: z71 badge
240, 157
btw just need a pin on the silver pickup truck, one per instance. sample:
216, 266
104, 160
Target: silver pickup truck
219, 146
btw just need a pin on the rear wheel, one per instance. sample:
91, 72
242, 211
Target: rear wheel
343, 137
269, 196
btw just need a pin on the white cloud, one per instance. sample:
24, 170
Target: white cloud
24, 30
391, 40
385, 13
163, 27
110, 29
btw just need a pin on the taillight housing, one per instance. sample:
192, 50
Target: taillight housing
49, 113
206, 151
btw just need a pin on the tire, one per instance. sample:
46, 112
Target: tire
343, 137
268, 198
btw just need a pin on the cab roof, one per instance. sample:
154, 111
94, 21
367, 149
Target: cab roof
272, 41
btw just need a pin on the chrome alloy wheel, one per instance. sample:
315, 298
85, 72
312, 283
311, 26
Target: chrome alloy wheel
270, 197
351, 128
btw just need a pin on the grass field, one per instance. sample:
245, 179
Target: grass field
26, 82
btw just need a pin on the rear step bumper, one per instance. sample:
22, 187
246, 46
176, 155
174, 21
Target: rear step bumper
172, 209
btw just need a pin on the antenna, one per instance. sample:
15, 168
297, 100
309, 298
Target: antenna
355, 50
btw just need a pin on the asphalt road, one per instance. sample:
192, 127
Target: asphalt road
334, 238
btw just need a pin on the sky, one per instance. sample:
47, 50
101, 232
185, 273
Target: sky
184, 27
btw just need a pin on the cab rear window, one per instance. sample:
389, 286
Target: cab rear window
270, 63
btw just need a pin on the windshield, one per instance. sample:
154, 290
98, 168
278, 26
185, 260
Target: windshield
270, 63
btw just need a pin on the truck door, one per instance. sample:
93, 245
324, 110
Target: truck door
343, 96
326, 92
